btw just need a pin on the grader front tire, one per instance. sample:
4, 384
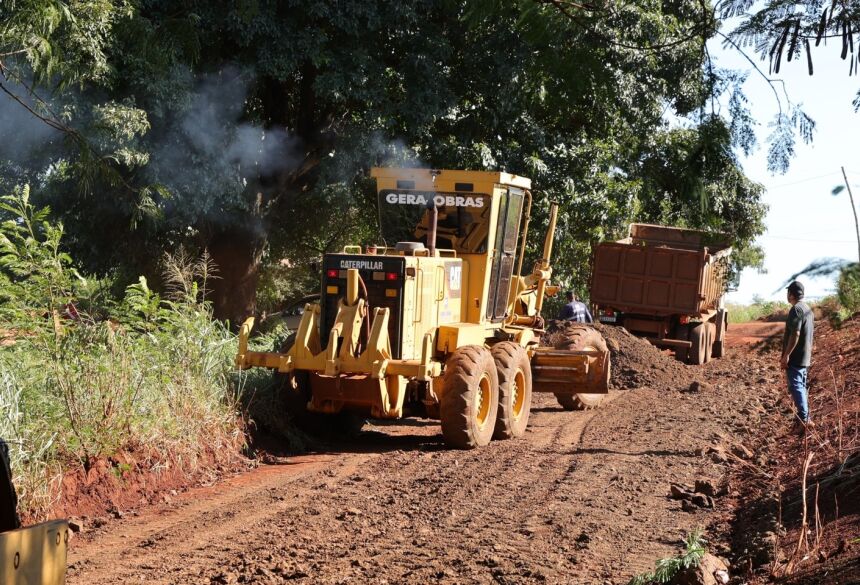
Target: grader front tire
582, 338
471, 398
515, 389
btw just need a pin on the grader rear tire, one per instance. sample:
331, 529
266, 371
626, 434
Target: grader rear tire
470, 401
581, 338
515, 389
295, 392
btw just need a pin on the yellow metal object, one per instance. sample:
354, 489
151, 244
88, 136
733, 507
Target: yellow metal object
35, 555
456, 335
544, 272
352, 286
570, 371
446, 288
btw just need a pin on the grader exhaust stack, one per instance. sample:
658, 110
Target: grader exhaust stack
438, 324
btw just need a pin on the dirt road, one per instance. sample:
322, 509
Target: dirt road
583, 498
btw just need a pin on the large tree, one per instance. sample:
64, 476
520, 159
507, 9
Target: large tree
260, 119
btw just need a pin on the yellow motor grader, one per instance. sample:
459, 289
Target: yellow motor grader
440, 320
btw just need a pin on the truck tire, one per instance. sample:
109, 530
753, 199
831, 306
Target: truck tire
682, 333
699, 349
515, 389
719, 343
581, 337
711, 333
470, 400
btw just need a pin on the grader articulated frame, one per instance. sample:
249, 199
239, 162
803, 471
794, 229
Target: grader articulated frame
441, 324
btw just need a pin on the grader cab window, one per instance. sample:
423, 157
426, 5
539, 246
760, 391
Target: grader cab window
463, 223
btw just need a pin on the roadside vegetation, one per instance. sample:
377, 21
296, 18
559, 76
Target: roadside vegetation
85, 374
836, 308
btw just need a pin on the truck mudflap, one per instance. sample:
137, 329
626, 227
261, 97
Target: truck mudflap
570, 371
35, 555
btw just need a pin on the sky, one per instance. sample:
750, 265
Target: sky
805, 221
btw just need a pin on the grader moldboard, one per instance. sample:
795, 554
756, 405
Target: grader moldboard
442, 324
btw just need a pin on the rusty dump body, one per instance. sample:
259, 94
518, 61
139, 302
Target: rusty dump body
663, 283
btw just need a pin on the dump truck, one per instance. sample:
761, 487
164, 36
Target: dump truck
438, 319
32, 555
666, 284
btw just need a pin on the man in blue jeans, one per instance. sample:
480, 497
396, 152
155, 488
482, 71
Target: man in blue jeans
797, 349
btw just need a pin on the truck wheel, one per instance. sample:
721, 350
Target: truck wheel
581, 338
515, 389
682, 333
711, 332
470, 400
699, 349
719, 347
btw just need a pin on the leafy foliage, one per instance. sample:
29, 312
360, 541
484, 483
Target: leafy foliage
666, 569
144, 372
252, 117
848, 287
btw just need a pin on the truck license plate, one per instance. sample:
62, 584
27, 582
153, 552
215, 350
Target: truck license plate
607, 319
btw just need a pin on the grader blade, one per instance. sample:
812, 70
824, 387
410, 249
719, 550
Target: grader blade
570, 371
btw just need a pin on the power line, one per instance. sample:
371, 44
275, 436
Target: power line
809, 240
806, 180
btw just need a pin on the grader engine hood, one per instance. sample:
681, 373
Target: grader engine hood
383, 276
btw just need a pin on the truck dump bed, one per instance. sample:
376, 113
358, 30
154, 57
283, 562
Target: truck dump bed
661, 271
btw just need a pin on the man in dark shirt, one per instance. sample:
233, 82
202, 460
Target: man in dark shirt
797, 348
575, 310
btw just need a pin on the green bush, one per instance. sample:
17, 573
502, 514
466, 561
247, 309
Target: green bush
848, 288
140, 372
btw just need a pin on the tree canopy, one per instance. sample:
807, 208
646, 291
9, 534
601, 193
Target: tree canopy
247, 127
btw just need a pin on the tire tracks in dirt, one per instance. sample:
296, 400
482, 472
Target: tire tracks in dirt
582, 498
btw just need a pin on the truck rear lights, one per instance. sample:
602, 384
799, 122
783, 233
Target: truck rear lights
331, 273
683, 319
332, 290
378, 276
391, 293
392, 276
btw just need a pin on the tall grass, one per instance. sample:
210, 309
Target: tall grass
739, 313
143, 372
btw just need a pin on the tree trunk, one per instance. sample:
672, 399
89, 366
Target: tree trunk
237, 253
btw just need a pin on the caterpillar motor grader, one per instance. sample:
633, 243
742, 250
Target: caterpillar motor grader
442, 323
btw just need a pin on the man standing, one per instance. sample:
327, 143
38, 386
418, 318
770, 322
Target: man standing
797, 349
575, 310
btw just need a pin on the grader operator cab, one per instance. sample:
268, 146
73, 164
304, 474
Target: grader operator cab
443, 322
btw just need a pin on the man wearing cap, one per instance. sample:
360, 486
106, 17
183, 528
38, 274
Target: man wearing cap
575, 310
797, 349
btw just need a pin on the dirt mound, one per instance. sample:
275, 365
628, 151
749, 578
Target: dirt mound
635, 362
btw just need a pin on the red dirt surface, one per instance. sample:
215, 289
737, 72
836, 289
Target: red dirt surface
584, 497
771, 540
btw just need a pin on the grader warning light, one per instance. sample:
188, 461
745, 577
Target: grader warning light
452, 331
